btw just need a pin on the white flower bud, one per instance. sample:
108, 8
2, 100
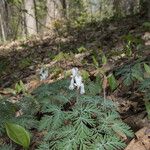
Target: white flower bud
78, 81
71, 86
74, 72
82, 90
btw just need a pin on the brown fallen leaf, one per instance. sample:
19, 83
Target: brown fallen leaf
33, 85
142, 140
19, 113
7, 91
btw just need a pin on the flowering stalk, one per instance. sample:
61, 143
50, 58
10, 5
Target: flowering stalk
104, 86
76, 82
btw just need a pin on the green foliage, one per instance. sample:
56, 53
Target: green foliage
20, 87
104, 59
128, 49
16, 2
99, 58
6, 147
147, 68
146, 25
29, 105
48, 94
82, 49
26, 108
95, 62
62, 56
138, 72
106, 142
70, 124
112, 82
80, 21
44, 146
85, 74
40, 9
67, 120
76, 11
131, 40
94, 88
147, 105
144, 86
131, 73
25, 62
18, 134
56, 70
7, 112
3, 65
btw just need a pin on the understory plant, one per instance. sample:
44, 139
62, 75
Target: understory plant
16, 119
68, 115
137, 74
75, 118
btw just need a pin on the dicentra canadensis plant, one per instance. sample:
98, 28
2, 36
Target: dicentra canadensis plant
69, 115
89, 123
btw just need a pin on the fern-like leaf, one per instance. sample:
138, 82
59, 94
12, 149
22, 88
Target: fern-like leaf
6, 147
107, 143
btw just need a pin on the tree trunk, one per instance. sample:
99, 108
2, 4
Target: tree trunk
2, 20
148, 11
2, 29
54, 11
30, 17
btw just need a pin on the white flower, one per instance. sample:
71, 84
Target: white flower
72, 86
76, 81
82, 90
74, 72
43, 73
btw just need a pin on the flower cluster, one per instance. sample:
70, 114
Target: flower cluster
76, 81
43, 73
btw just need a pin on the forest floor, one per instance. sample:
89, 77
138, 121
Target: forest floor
22, 60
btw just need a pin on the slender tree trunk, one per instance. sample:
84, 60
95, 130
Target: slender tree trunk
2, 19
36, 18
2, 29
23, 22
30, 17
